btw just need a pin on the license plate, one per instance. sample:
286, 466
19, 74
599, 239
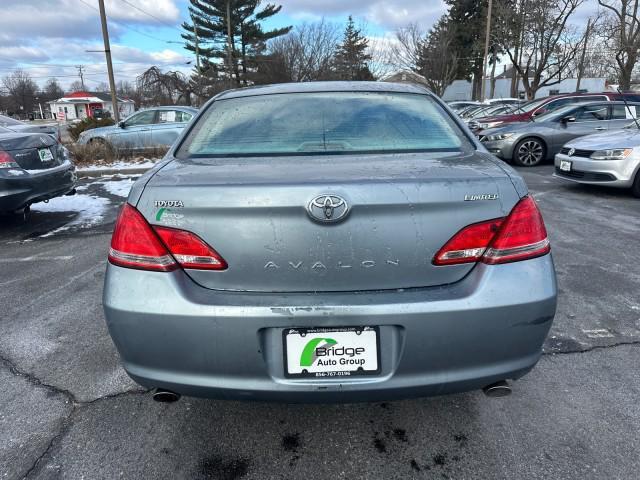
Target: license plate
331, 352
45, 155
565, 165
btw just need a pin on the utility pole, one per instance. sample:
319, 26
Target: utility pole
80, 67
230, 59
486, 52
584, 53
107, 51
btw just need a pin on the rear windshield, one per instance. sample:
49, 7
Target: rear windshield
324, 122
527, 107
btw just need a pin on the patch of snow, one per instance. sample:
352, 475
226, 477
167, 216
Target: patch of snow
120, 188
119, 165
90, 210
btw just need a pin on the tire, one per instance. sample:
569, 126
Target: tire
17, 216
529, 152
635, 188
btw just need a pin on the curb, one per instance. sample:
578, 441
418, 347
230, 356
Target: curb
111, 171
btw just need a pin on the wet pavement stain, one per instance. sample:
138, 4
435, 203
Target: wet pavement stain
400, 434
221, 468
291, 442
379, 443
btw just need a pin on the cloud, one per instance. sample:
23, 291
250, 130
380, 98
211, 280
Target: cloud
28, 20
385, 13
49, 37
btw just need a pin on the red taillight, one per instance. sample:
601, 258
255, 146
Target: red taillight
136, 244
519, 236
469, 244
7, 161
190, 250
523, 235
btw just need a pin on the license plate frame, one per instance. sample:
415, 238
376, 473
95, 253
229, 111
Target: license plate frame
45, 155
566, 165
330, 371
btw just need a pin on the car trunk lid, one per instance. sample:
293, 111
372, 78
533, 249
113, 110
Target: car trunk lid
33, 151
255, 213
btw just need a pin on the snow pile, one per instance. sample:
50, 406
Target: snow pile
120, 165
90, 209
119, 188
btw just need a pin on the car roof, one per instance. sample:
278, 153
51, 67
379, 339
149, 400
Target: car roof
603, 102
307, 87
589, 94
169, 107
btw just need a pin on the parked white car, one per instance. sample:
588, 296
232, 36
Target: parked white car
611, 158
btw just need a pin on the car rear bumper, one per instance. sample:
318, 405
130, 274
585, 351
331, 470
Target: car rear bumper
614, 173
21, 188
173, 334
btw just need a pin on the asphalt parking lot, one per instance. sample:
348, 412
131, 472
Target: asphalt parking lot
68, 410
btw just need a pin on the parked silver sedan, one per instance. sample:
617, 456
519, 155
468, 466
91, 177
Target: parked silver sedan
531, 143
328, 242
611, 159
24, 127
148, 128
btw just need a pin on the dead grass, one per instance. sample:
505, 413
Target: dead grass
97, 154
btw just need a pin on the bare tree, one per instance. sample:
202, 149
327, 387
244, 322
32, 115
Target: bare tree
406, 49
305, 54
21, 91
76, 86
168, 88
624, 36
52, 90
437, 60
548, 44
102, 87
381, 64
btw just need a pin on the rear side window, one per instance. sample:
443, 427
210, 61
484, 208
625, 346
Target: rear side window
173, 116
323, 122
143, 118
592, 113
621, 112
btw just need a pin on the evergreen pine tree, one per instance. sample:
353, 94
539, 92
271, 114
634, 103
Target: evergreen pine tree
351, 60
230, 35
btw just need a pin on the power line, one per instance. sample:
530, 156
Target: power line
123, 25
149, 14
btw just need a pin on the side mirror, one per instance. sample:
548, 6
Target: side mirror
569, 118
121, 124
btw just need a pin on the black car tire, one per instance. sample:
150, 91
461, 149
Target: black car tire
529, 152
17, 216
635, 188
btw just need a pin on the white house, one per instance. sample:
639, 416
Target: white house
80, 105
462, 89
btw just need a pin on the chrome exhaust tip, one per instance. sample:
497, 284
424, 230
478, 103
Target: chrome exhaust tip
498, 389
165, 396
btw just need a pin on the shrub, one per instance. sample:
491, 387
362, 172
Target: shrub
88, 124
98, 153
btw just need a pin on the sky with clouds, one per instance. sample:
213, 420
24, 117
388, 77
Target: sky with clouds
50, 37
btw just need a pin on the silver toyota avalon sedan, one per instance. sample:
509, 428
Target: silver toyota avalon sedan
328, 242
